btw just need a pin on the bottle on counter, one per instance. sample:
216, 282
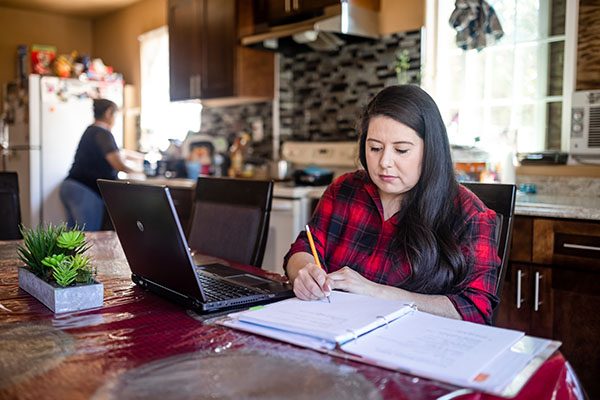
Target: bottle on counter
237, 153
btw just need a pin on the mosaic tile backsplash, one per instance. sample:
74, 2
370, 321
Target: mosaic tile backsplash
322, 93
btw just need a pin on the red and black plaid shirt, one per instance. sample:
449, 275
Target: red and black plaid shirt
350, 230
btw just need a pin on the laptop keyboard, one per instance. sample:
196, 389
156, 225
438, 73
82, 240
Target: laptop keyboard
217, 289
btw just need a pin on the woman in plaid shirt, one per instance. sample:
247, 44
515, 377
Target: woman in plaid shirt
403, 228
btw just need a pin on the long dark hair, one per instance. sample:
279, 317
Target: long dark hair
426, 232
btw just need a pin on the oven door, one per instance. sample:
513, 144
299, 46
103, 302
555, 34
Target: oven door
288, 217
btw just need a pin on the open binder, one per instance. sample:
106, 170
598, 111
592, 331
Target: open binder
394, 335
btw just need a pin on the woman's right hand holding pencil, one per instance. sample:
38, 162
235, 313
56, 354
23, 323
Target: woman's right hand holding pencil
307, 275
312, 283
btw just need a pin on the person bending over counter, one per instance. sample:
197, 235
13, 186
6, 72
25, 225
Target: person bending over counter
402, 228
97, 157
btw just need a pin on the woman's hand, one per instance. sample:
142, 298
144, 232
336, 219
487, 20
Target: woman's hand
351, 281
311, 283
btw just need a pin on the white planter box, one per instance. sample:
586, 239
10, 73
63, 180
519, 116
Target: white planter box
60, 299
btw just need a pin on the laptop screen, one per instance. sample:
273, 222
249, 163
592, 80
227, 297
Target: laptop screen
152, 238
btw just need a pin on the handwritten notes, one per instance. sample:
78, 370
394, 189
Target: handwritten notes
428, 345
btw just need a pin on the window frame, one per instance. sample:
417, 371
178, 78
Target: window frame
430, 50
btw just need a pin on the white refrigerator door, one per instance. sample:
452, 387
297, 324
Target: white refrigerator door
59, 112
26, 163
65, 112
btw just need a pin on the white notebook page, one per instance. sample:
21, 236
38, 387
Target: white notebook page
348, 315
440, 348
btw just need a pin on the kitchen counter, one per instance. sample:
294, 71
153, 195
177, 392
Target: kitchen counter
553, 206
548, 206
533, 205
180, 183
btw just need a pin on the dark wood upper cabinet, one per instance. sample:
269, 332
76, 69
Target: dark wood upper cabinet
288, 11
205, 59
219, 34
184, 54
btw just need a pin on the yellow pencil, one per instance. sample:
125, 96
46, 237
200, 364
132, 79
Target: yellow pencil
314, 251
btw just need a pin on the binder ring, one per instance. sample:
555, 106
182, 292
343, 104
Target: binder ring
385, 321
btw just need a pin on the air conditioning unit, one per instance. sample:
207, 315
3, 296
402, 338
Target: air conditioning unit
585, 123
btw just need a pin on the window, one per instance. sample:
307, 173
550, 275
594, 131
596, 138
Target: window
512, 92
161, 119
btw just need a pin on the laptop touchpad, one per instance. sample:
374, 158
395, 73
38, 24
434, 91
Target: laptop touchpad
249, 280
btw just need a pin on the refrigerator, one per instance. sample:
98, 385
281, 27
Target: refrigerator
40, 141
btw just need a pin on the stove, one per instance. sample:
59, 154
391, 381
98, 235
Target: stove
337, 156
292, 204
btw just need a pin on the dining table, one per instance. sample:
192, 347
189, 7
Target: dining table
138, 345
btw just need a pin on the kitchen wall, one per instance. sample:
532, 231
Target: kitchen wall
322, 93
33, 27
115, 40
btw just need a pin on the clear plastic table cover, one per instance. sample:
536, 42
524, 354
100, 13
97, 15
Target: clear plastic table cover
139, 345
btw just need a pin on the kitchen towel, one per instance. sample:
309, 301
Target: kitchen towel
476, 23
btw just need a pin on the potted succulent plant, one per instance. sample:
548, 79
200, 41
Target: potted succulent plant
57, 272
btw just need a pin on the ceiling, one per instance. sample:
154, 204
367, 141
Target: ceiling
80, 8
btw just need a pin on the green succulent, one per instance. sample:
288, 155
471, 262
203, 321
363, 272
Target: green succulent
65, 272
85, 272
402, 66
53, 260
39, 243
56, 254
80, 261
71, 240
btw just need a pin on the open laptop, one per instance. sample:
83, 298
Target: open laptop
148, 228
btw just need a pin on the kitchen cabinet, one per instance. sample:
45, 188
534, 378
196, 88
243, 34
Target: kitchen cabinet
394, 16
401, 16
205, 59
182, 27
588, 45
552, 289
275, 12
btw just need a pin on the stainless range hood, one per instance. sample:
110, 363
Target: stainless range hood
340, 24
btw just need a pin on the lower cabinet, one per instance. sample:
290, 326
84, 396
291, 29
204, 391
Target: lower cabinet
576, 322
553, 291
527, 300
